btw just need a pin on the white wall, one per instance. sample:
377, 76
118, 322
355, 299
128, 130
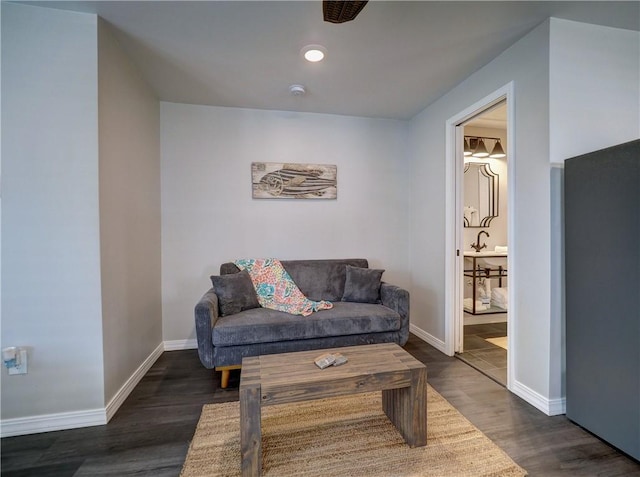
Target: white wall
129, 121
526, 64
209, 217
594, 88
594, 98
576, 90
50, 219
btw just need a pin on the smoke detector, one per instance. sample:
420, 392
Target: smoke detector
297, 90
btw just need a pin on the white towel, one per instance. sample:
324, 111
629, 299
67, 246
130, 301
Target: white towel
500, 293
500, 249
499, 297
487, 287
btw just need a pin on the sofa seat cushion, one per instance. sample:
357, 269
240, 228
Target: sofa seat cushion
261, 325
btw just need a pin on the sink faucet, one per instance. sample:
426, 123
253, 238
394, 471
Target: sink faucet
476, 246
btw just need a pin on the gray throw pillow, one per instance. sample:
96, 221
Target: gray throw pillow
362, 285
235, 292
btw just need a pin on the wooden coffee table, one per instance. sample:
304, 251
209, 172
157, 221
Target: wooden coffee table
292, 377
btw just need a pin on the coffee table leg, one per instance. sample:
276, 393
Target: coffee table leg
250, 431
407, 408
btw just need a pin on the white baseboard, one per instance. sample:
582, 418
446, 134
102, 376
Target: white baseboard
52, 422
122, 394
429, 338
551, 407
557, 406
175, 345
87, 418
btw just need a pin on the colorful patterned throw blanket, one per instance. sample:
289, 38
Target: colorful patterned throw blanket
276, 289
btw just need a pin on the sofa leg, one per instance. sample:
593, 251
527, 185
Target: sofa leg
225, 378
226, 370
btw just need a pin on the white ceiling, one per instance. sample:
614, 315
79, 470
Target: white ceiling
494, 118
392, 61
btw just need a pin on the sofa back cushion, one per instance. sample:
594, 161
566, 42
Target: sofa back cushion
235, 293
362, 285
317, 279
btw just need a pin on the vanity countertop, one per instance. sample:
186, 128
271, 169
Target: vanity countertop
484, 253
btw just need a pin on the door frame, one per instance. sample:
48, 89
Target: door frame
454, 248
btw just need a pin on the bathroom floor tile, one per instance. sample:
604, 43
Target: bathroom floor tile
483, 355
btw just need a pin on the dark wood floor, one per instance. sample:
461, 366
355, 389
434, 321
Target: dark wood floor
150, 434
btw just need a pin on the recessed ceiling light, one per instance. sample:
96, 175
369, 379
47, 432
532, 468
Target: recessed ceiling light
314, 53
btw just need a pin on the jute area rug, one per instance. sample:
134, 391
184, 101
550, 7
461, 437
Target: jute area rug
346, 436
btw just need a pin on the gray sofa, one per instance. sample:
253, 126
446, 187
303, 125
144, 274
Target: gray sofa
246, 330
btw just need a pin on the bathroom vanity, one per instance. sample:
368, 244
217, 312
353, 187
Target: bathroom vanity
484, 264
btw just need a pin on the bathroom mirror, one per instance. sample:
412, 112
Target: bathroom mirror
480, 194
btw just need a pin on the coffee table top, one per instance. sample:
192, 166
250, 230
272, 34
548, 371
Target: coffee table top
291, 377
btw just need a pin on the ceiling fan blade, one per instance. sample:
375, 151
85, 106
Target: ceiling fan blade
341, 12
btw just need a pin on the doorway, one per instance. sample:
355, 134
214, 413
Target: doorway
455, 240
484, 320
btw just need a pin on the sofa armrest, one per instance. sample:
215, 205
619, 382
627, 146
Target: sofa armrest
397, 299
206, 315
